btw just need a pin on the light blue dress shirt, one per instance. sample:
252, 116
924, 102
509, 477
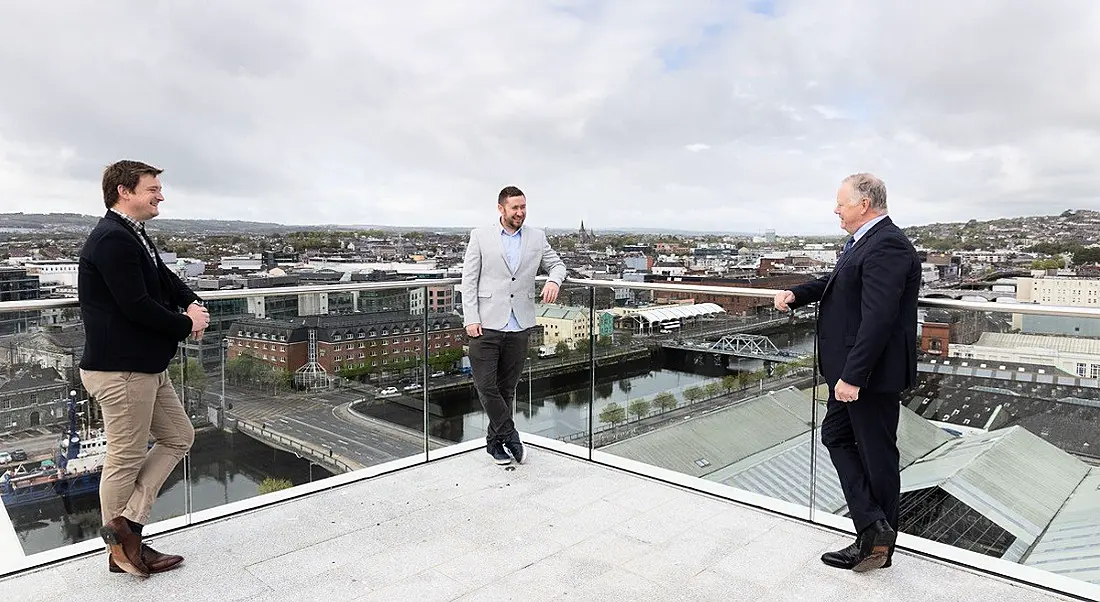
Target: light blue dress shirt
865, 227
513, 245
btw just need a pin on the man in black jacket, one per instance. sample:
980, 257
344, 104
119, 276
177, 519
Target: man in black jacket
131, 306
867, 353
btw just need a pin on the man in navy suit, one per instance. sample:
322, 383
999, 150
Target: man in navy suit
867, 340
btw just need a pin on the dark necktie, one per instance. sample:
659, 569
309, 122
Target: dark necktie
848, 245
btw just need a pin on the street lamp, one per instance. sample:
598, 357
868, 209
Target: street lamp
299, 456
224, 352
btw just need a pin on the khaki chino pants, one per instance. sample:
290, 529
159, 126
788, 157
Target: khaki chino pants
137, 406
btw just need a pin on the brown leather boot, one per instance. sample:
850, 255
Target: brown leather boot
157, 562
125, 546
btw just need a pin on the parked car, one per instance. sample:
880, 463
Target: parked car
413, 387
438, 374
5, 458
19, 455
388, 391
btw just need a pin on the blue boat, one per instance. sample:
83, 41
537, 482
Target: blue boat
77, 470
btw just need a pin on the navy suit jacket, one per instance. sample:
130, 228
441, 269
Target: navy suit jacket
867, 312
130, 305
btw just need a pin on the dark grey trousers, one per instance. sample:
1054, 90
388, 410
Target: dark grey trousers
496, 359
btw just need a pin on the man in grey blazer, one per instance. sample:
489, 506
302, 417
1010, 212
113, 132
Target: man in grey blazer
498, 307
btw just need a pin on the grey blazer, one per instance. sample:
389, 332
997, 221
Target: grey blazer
490, 291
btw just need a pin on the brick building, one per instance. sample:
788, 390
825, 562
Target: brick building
441, 299
942, 328
733, 304
935, 338
281, 343
372, 340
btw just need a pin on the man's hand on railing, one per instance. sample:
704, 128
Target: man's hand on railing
783, 299
550, 292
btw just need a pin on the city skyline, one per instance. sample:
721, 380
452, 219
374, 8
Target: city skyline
453, 229
744, 115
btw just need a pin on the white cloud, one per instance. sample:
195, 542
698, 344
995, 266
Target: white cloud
418, 113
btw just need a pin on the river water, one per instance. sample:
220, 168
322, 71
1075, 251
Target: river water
228, 467
559, 407
225, 467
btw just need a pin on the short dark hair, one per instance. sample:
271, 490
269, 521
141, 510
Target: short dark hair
124, 173
508, 192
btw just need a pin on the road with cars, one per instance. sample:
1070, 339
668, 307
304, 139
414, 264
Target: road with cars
323, 420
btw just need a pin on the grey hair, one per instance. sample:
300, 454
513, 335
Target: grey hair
866, 186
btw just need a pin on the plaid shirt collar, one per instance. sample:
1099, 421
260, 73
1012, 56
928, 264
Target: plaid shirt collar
136, 225
139, 228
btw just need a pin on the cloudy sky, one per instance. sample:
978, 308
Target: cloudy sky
694, 114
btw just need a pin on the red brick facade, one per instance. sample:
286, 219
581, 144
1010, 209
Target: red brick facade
344, 342
732, 304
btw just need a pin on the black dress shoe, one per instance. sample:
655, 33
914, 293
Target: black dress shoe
843, 559
876, 545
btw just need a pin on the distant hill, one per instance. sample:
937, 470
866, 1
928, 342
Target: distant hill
73, 222
1071, 227
1078, 226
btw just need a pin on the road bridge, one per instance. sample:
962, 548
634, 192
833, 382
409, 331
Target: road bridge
750, 346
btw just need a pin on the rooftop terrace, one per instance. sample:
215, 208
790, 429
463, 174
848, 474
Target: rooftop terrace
461, 528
